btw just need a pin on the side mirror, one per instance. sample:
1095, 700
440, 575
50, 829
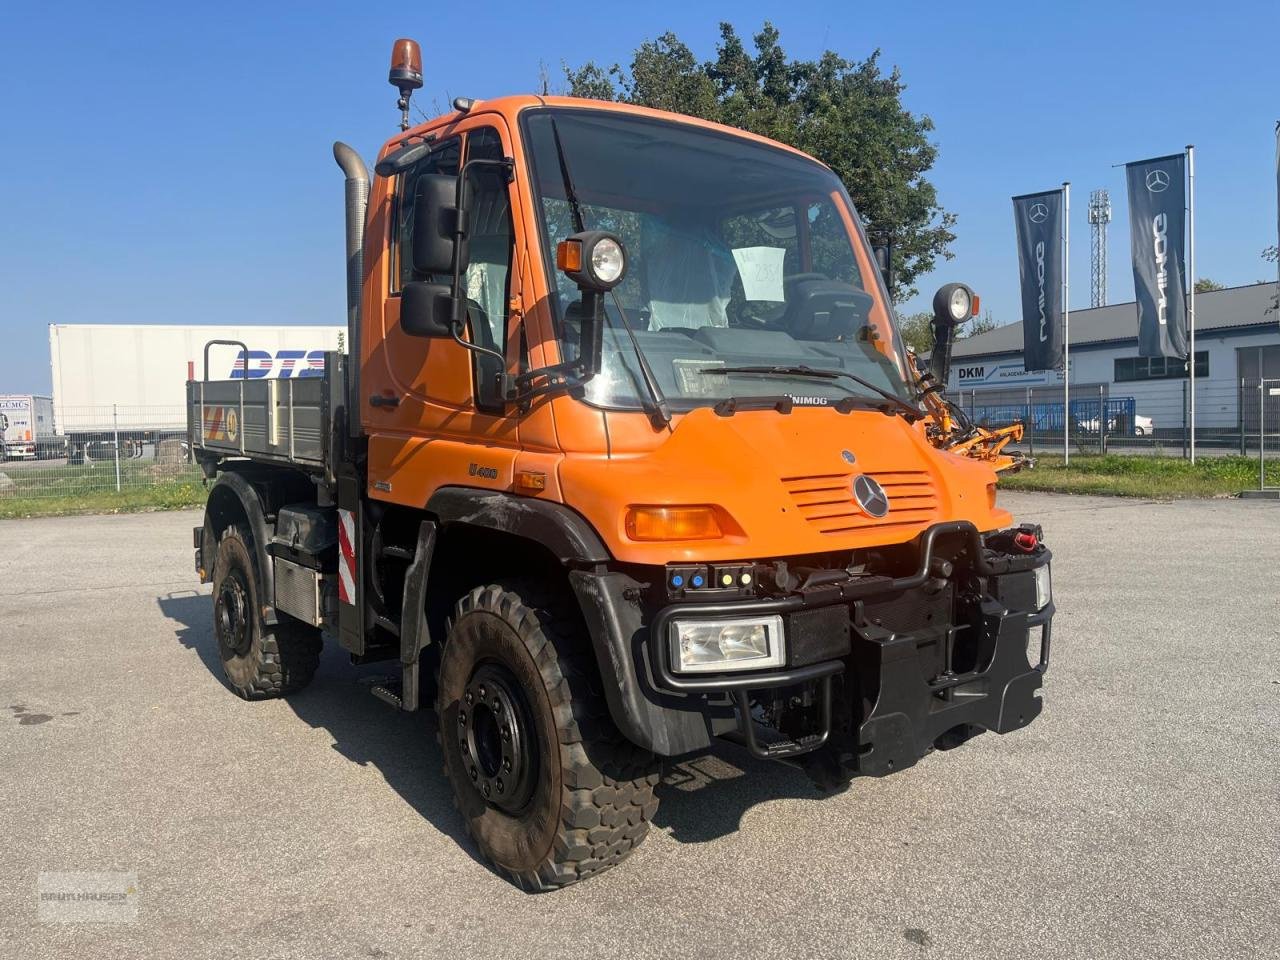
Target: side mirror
426, 309
435, 221
953, 304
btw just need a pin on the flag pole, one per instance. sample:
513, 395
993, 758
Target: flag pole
1191, 284
1066, 322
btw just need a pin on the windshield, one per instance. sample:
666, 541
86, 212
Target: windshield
739, 254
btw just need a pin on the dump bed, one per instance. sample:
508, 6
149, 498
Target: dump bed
284, 421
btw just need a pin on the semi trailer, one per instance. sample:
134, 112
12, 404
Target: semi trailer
121, 383
626, 458
26, 427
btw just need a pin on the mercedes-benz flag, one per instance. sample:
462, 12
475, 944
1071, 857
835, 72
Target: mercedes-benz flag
1157, 214
1038, 218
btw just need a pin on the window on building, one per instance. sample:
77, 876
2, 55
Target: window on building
1129, 369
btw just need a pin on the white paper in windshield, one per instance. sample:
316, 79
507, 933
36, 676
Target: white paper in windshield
761, 272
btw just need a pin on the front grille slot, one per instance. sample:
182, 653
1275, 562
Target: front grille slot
826, 501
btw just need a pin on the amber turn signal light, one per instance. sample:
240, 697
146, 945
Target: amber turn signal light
673, 523
569, 255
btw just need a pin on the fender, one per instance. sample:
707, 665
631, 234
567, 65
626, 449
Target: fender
561, 530
250, 504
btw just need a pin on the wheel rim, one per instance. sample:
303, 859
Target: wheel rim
231, 616
495, 737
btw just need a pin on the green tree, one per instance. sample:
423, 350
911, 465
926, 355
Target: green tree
848, 114
917, 330
1205, 285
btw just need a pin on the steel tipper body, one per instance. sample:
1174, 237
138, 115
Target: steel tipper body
628, 457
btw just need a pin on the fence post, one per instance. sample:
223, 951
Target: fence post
1030, 421
1102, 419
1240, 417
1262, 431
1185, 417
115, 429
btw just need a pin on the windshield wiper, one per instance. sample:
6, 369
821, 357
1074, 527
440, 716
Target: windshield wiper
658, 410
799, 370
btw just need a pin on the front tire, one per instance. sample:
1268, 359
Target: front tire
549, 789
258, 661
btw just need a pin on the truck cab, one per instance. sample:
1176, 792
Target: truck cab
627, 457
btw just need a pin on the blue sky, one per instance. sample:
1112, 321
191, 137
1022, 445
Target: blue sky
170, 162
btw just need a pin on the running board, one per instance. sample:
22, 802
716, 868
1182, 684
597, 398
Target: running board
402, 693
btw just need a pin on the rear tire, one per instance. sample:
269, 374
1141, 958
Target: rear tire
576, 796
259, 662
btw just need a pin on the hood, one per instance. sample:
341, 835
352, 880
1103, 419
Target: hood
783, 483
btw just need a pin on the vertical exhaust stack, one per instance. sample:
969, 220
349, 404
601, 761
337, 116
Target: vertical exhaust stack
357, 203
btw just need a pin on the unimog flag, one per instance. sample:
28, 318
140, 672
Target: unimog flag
1157, 215
1038, 218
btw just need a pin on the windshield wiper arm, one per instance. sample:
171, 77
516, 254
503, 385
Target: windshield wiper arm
800, 370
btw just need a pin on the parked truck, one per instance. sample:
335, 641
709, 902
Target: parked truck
121, 383
27, 427
626, 458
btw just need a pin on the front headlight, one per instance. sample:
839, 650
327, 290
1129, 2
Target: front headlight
1044, 587
714, 646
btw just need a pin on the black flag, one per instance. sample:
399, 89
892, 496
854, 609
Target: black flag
1157, 214
1038, 218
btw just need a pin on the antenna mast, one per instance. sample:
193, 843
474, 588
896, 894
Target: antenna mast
1099, 217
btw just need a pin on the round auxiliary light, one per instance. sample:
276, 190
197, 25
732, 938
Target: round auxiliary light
677, 580
608, 261
961, 305
698, 580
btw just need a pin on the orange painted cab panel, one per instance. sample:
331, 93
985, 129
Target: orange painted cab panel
783, 482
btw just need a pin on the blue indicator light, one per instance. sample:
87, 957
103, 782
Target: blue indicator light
698, 580
677, 580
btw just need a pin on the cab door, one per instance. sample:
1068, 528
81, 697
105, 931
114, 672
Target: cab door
433, 410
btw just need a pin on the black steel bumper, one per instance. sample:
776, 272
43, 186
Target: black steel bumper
894, 704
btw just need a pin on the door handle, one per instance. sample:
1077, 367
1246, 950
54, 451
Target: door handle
377, 400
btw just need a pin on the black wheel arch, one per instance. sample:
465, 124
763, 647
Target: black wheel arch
250, 501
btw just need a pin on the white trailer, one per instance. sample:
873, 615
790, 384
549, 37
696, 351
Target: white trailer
126, 383
26, 427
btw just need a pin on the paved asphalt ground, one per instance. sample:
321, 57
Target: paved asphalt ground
1136, 818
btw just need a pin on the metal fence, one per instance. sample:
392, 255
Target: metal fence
101, 450
1153, 417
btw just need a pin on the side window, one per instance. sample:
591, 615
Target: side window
487, 280
443, 159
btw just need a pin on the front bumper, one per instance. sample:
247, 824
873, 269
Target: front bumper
886, 694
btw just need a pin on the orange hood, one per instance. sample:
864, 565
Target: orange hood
783, 484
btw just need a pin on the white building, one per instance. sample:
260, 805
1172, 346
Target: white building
1237, 340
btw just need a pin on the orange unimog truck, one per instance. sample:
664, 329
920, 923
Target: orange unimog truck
624, 457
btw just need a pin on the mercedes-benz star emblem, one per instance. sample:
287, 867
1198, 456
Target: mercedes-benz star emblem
1038, 213
870, 496
1157, 181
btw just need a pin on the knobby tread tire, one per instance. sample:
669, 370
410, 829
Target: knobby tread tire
602, 798
281, 659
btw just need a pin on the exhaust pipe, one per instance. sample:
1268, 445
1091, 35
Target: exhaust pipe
357, 202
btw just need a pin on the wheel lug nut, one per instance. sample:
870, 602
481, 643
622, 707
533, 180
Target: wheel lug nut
474, 773
482, 692
469, 697
506, 764
498, 784
506, 733
497, 706
485, 790
462, 718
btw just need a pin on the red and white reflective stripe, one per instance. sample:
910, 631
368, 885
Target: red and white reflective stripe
346, 557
